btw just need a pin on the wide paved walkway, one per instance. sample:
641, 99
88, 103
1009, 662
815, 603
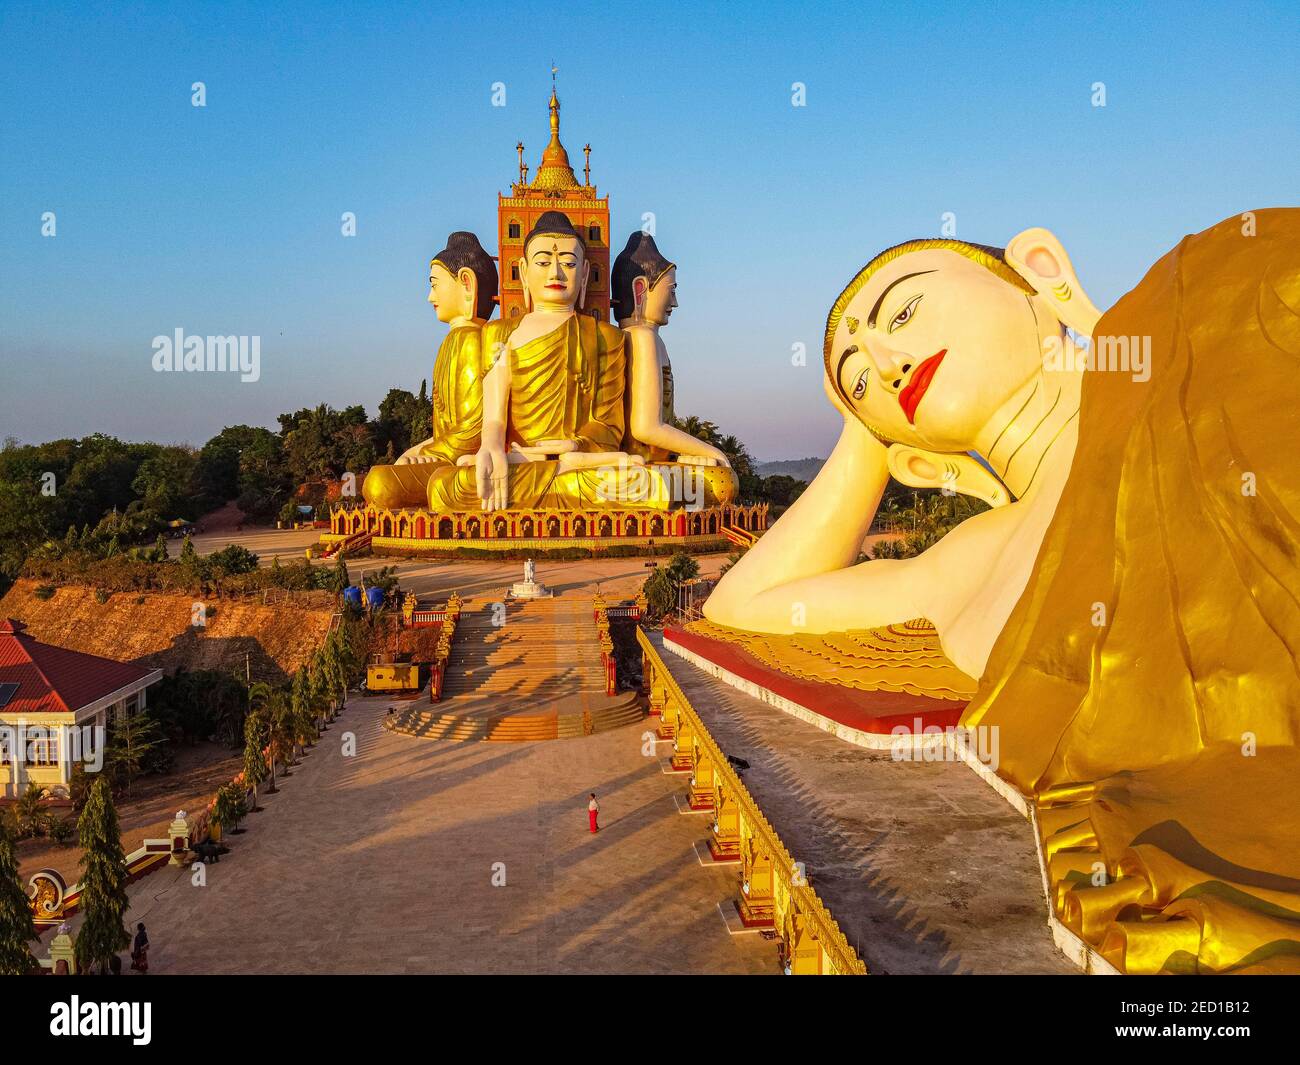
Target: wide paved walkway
924, 866
383, 863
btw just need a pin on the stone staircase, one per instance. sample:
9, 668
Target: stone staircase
528, 670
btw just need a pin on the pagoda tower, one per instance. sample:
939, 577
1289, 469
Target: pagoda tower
554, 188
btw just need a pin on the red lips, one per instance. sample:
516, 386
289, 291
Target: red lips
910, 398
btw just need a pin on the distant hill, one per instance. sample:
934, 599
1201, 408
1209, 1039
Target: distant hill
799, 469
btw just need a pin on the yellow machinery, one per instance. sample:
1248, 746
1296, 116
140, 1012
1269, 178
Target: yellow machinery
385, 674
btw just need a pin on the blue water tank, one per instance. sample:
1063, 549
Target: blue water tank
352, 595
375, 597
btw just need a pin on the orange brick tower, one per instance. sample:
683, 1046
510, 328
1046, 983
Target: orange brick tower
553, 188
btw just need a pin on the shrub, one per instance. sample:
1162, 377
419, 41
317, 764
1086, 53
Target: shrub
62, 829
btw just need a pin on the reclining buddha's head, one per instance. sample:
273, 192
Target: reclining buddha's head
554, 264
932, 338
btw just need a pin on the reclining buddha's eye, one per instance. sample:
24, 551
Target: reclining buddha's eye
905, 315
860, 386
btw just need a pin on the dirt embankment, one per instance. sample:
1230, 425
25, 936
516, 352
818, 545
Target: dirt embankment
155, 629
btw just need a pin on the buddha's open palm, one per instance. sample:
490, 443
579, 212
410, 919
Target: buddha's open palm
492, 478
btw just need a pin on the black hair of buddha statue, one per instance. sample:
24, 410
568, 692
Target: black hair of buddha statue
464, 250
640, 258
554, 224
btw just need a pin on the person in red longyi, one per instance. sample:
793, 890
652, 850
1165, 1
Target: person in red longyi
593, 808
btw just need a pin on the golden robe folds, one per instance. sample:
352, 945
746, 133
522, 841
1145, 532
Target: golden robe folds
1165, 742
463, 360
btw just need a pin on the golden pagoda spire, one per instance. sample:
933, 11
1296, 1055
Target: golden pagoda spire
555, 171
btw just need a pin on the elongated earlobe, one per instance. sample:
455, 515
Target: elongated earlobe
960, 474
640, 289
469, 283
1040, 258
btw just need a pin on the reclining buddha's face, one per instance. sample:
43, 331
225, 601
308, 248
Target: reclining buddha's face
932, 347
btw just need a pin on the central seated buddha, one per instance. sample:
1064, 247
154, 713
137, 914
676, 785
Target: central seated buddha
555, 407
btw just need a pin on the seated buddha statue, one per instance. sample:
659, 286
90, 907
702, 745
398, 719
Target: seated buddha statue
553, 399
1129, 604
643, 297
462, 289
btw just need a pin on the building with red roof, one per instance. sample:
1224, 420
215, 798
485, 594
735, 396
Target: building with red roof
54, 706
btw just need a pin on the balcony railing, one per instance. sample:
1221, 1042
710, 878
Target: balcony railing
773, 889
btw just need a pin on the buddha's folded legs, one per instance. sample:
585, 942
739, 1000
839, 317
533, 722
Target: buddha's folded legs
543, 485
454, 488
401, 486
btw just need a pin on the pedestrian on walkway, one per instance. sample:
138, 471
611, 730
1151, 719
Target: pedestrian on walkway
140, 950
593, 808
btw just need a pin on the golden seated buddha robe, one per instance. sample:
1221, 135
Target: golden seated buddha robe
463, 286
568, 384
463, 359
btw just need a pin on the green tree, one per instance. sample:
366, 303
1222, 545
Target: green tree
682, 568
660, 594
302, 701
400, 413
104, 900
132, 740
165, 484
29, 811
322, 442
341, 577
256, 728
231, 560
930, 516
17, 929
663, 586
230, 807
422, 416
332, 664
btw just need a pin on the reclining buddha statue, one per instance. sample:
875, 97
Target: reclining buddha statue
462, 289
1130, 604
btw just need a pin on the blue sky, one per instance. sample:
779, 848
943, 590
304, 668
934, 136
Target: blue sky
226, 219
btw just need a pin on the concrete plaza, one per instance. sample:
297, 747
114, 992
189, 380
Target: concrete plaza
384, 863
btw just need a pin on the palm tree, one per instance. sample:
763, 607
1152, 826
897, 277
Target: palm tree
701, 430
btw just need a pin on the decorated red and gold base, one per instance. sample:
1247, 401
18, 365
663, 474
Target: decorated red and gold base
354, 526
906, 689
